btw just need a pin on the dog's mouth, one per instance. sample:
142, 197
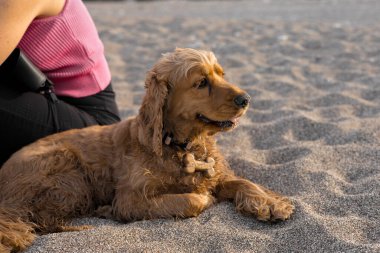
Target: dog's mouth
221, 124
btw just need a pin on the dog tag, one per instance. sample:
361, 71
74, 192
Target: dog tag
168, 140
189, 145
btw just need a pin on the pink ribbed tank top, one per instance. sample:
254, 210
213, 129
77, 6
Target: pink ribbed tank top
68, 50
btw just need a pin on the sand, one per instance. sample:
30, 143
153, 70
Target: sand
311, 133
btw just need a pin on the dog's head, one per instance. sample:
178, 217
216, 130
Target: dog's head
188, 96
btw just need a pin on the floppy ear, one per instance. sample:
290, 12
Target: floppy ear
151, 112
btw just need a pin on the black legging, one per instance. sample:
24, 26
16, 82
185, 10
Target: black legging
28, 116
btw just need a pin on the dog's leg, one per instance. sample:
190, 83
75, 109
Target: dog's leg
55, 192
254, 199
69, 197
162, 206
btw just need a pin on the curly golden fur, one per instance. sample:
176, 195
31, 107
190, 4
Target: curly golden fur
125, 171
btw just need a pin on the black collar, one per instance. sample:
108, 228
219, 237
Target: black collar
168, 139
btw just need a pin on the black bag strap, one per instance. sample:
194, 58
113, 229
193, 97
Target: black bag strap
19, 69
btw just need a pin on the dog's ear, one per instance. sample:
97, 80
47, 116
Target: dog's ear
151, 112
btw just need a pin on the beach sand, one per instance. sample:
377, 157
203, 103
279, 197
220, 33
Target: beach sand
312, 131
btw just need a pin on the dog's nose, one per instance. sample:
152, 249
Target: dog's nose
242, 101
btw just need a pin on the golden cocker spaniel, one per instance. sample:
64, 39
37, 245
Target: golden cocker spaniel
164, 162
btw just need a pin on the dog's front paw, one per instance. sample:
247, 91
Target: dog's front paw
274, 210
281, 209
265, 208
205, 200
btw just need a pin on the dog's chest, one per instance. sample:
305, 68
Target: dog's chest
178, 179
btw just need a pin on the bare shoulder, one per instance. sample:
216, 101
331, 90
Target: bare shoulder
36, 8
51, 8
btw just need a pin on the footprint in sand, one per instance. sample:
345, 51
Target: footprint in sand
286, 155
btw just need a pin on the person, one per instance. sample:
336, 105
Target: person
60, 39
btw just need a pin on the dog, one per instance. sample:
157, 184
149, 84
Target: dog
162, 163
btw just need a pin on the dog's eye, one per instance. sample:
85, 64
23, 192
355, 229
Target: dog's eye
203, 83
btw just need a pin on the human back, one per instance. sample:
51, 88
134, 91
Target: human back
67, 48
60, 39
